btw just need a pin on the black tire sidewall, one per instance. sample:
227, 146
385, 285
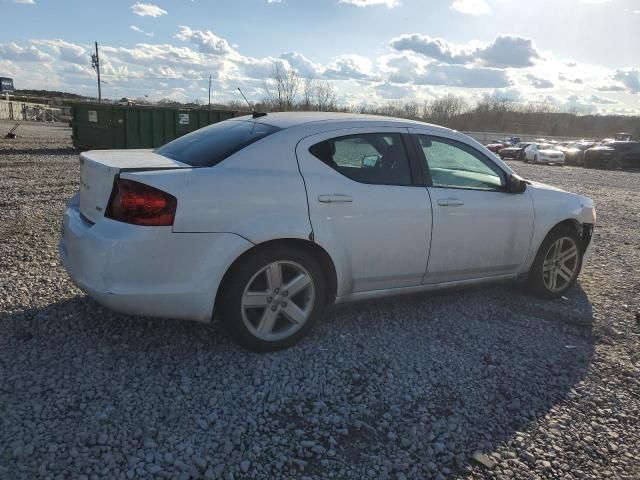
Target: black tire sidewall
229, 303
535, 283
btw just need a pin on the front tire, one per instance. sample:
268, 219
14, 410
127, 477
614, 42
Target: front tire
557, 264
271, 298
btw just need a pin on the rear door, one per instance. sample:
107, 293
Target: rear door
367, 206
479, 230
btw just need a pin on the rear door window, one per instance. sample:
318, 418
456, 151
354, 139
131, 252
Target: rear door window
210, 145
377, 158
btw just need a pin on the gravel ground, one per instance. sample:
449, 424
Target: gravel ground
481, 383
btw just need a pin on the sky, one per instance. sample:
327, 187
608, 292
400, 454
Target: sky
578, 55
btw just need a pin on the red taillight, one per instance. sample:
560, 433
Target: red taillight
140, 204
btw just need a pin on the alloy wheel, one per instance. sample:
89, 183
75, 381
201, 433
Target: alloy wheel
560, 264
278, 300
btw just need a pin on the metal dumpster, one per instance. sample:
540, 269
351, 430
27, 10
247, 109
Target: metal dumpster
100, 126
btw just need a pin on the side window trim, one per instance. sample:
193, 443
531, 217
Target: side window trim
419, 161
469, 149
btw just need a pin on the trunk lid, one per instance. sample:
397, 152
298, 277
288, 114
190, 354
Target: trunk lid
98, 169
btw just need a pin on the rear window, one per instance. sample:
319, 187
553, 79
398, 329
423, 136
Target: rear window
210, 145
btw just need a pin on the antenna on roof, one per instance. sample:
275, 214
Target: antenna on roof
254, 114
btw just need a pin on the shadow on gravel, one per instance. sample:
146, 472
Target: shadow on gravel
38, 151
418, 382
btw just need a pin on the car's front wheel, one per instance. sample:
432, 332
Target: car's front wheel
557, 264
272, 298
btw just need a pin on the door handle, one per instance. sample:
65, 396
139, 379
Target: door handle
335, 198
450, 202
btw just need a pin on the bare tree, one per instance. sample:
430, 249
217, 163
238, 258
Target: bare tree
308, 93
326, 98
443, 109
282, 87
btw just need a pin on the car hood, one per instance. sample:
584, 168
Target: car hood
544, 186
544, 190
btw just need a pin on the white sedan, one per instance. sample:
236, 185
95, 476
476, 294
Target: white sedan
265, 221
543, 153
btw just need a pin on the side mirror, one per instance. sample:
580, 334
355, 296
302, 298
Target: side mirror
370, 161
516, 184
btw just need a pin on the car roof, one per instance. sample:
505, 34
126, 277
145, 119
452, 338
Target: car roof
292, 119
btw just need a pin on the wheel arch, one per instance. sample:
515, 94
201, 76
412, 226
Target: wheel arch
323, 257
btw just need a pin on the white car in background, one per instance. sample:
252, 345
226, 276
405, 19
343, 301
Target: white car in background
543, 153
268, 220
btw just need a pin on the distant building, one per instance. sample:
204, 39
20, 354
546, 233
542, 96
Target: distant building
6, 85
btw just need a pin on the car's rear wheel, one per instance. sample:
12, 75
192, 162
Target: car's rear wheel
272, 298
557, 264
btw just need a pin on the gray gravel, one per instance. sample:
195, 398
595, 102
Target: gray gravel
484, 383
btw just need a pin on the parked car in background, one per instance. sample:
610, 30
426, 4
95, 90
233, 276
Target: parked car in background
269, 220
495, 146
514, 152
623, 137
574, 152
543, 153
613, 155
498, 145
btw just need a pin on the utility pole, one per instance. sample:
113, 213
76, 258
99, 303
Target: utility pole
209, 92
95, 63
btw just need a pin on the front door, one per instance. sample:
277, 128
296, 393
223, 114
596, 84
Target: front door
367, 207
479, 230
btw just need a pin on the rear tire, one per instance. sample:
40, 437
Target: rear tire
272, 298
557, 264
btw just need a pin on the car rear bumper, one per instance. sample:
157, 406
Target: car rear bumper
148, 271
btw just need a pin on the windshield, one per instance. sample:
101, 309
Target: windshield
210, 145
546, 146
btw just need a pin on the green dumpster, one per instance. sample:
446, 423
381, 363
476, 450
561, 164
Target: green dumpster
100, 126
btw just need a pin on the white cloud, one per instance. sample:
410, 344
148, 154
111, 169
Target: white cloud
435, 48
602, 100
509, 51
13, 51
139, 30
25, 2
538, 82
207, 41
408, 68
471, 7
389, 91
349, 67
66, 51
630, 78
505, 50
467, 77
147, 10
369, 3
301, 64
